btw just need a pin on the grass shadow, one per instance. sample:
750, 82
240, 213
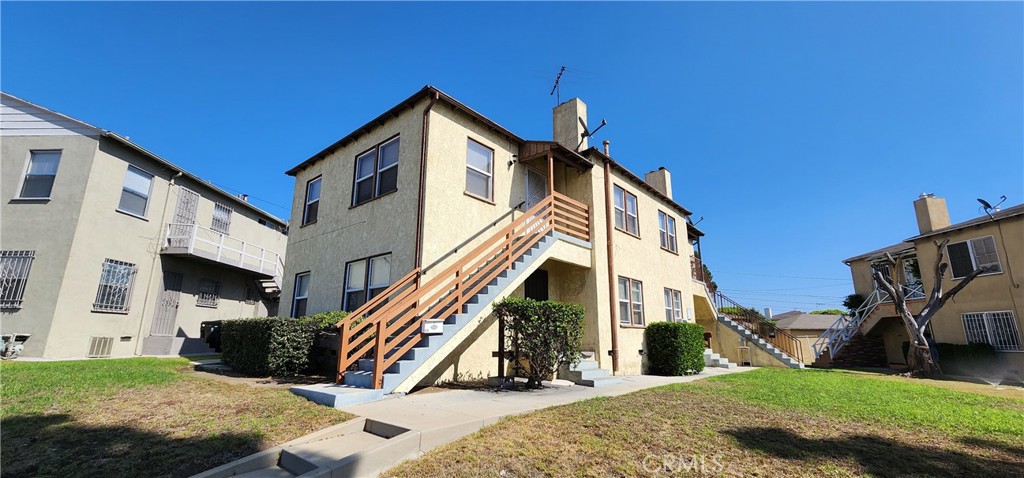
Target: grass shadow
57, 446
879, 456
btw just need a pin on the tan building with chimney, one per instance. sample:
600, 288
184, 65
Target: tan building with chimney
989, 310
428, 214
109, 250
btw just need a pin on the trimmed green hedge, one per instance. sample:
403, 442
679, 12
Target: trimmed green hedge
964, 359
674, 348
277, 346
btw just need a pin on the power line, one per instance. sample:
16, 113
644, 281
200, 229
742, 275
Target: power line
772, 294
778, 276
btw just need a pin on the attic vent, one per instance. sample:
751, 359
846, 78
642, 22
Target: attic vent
100, 346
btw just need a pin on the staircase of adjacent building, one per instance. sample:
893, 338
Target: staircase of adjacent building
383, 344
861, 351
712, 359
761, 333
839, 334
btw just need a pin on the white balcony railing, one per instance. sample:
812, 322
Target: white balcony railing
203, 242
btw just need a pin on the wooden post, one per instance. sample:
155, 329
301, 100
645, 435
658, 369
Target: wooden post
342, 351
551, 173
378, 357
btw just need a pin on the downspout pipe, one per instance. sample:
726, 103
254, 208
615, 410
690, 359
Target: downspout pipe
418, 254
609, 232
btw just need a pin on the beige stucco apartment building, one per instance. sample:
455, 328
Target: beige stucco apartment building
431, 195
988, 310
110, 250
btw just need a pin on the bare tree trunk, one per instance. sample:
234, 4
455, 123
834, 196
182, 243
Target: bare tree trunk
920, 356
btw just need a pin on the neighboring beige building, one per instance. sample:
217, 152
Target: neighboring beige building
110, 250
430, 182
806, 328
988, 310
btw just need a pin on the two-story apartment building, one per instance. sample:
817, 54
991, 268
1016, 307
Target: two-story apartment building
110, 250
434, 211
989, 310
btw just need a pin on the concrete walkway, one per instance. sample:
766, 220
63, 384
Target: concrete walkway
447, 413
390, 431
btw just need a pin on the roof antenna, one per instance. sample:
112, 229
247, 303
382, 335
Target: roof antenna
556, 89
989, 208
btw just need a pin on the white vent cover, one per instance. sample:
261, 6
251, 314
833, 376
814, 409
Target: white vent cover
432, 326
100, 346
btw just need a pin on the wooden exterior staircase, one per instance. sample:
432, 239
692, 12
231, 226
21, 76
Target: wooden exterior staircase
382, 342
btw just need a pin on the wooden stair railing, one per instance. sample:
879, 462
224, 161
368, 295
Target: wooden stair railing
388, 325
764, 329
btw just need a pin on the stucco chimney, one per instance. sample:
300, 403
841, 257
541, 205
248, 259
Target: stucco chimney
661, 180
931, 213
566, 124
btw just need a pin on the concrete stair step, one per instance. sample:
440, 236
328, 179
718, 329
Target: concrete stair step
601, 382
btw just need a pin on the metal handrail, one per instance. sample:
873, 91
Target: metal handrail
387, 327
225, 247
764, 329
845, 327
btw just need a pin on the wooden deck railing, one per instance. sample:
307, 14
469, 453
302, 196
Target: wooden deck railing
388, 326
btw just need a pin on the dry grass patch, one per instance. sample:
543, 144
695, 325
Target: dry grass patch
659, 432
140, 417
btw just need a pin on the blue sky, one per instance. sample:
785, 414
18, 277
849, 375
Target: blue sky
802, 132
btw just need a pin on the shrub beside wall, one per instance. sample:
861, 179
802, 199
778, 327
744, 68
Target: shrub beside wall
674, 348
543, 334
977, 359
275, 346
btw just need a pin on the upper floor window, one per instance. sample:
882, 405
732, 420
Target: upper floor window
673, 305
376, 172
967, 256
115, 289
479, 170
626, 218
209, 293
221, 219
667, 230
998, 329
135, 193
364, 279
631, 301
14, 268
42, 170
312, 206
300, 295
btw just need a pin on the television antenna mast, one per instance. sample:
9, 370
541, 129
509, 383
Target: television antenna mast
555, 89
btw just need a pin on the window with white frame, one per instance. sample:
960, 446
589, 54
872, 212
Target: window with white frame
115, 289
631, 301
14, 269
135, 193
209, 293
376, 172
626, 218
39, 177
312, 206
673, 305
967, 256
667, 231
221, 219
366, 278
300, 294
479, 170
998, 329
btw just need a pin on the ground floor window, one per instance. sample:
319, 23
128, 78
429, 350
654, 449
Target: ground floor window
14, 268
300, 295
364, 279
631, 301
998, 329
115, 289
209, 293
673, 305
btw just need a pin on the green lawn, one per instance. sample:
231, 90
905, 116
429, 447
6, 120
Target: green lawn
138, 417
769, 422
